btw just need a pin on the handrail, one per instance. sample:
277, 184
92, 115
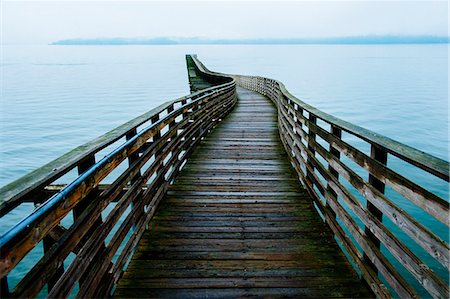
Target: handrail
155, 154
423, 160
14, 193
158, 151
327, 183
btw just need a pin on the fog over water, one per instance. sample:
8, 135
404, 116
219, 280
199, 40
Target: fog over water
55, 98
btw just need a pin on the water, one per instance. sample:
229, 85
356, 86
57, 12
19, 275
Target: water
55, 98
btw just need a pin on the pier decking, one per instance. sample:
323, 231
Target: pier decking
237, 222
238, 189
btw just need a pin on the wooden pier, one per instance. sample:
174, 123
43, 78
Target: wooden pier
227, 192
238, 223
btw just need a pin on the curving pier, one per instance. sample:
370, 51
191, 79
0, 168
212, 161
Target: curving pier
237, 222
239, 189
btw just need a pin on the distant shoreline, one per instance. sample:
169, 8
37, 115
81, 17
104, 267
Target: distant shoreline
354, 40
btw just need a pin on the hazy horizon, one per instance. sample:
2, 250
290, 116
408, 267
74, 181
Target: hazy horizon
44, 22
366, 39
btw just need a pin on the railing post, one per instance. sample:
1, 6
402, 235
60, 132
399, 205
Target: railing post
84, 165
379, 155
155, 119
186, 114
170, 110
156, 137
131, 159
48, 242
171, 125
311, 137
337, 132
134, 156
201, 126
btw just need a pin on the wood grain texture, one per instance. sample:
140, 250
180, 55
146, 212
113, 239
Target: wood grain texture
237, 222
322, 172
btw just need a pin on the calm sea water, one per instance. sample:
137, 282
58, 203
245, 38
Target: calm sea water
54, 98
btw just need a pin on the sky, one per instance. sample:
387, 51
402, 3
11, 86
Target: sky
42, 22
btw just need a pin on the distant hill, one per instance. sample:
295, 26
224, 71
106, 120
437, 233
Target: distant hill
373, 39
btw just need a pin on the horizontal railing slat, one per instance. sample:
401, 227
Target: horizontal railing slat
388, 270
162, 147
427, 162
174, 129
424, 275
15, 192
431, 203
183, 122
426, 239
38, 224
298, 134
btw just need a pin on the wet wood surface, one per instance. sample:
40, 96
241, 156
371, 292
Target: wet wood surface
306, 133
237, 222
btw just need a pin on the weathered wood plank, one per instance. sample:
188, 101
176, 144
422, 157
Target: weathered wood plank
425, 276
273, 292
418, 158
16, 192
169, 141
230, 208
299, 126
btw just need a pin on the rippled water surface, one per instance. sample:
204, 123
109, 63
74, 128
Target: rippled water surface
55, 98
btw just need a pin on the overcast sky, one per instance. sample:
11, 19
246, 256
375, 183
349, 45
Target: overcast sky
37, 22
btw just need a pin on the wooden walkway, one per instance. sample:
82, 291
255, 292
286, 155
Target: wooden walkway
238, 223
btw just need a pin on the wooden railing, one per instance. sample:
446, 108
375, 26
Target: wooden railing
358, 209
88, 257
